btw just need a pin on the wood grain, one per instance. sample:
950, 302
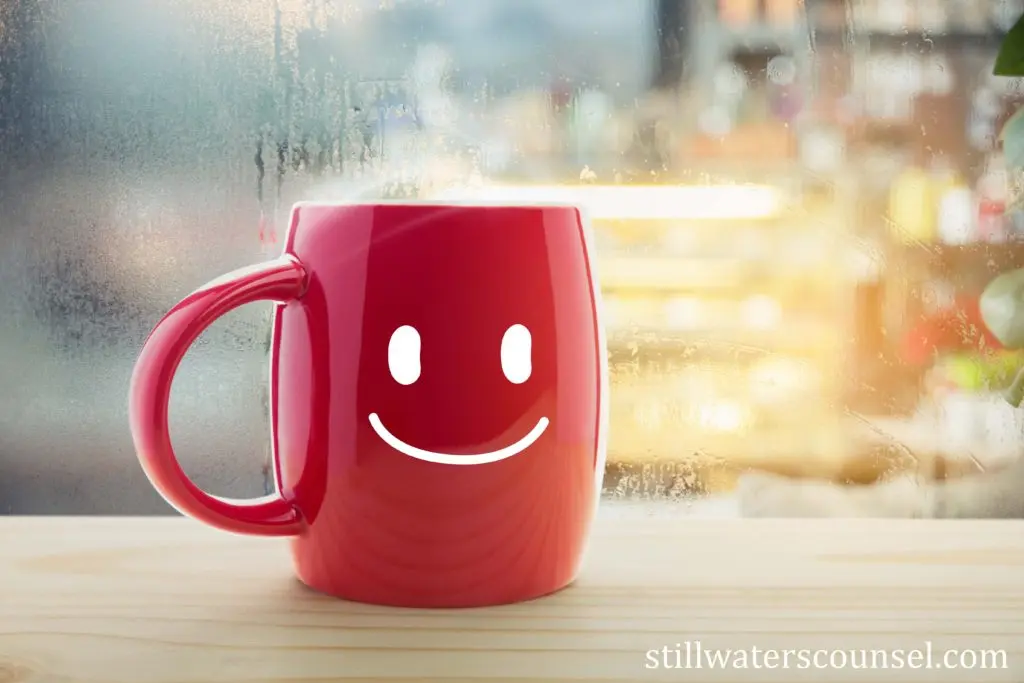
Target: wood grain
166, 600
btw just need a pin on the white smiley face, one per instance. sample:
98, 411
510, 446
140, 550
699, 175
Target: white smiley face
404, 364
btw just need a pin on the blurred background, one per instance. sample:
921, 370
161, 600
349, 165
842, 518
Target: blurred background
796, 205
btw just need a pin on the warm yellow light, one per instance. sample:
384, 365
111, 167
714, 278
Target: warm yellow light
722, 416
640, 202
781, 379
636, 272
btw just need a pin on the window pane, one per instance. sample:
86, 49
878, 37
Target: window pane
797, 207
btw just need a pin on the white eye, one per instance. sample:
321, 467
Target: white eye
404, 355
516, 348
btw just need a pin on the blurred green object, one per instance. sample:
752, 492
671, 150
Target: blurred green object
972, 372
1010, 60
1002, 311
1015, 393
1001, 300
1002, 308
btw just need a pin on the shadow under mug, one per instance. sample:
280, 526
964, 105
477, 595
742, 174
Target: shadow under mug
438, 400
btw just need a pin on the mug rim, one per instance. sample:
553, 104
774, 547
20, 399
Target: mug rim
437, 203
579, 213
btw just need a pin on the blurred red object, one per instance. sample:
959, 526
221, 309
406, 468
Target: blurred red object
956, 328
992, 222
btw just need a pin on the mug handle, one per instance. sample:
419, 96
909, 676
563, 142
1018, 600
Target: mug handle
281, 280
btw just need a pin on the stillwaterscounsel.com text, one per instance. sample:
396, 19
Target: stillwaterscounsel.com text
691, 654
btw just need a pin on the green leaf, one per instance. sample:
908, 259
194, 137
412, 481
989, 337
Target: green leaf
1012, 136
1010, 60
1002, 308
1014, 394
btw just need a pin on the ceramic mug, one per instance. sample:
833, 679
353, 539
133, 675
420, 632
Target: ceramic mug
438, 400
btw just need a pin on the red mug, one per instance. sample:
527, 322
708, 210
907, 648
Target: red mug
438, 391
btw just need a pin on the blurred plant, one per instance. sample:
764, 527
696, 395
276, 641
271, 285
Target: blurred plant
1010, 60
1002, 303
1002, 310
1010, 63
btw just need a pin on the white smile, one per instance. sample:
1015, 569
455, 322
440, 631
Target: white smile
451, 458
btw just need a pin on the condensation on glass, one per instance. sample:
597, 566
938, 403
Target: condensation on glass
776, 188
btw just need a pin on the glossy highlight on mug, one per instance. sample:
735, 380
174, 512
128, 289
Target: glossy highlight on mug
452, 458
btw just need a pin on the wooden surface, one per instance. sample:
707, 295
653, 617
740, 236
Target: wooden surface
165, 599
